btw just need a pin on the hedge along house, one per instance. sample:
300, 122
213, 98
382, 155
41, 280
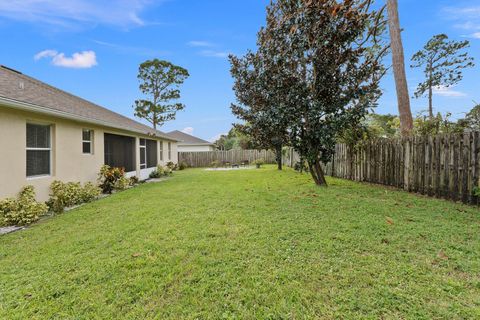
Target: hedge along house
47, 134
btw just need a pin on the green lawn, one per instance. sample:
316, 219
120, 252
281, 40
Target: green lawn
252, 244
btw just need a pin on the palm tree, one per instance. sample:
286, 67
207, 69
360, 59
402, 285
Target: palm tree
398, 59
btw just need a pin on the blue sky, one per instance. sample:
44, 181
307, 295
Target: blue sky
93, 49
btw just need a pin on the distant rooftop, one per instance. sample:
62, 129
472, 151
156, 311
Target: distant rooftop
18, 87
187, 139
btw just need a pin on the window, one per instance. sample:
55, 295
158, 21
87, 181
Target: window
87, 141
151, 153
161, 150
120, 151
169, 151
38, 150
143, 154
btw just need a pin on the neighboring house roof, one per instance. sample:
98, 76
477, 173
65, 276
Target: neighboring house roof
186, 139
23, 92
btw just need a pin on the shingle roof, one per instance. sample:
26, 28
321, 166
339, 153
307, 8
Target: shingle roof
16, 86
187, 139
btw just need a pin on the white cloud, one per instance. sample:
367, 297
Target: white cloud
475, 35
200, 44
448, 92
75, 13
467, 18
79, 60
140, 51
188, 130
45, 54
214, 54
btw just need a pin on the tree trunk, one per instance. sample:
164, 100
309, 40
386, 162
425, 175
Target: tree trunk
398, 59
278, 156
430, 93
317, 173
430, 102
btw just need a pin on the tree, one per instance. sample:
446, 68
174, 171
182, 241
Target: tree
332, 53
442, 62
234, 140
398, 59
159, 81
258, 78
427, 126
473, 118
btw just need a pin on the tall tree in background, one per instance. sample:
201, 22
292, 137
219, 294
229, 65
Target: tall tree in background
442, 62
159, 81
398, 59
332, 53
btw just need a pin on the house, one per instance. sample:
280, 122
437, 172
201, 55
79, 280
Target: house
189, 143
47, 134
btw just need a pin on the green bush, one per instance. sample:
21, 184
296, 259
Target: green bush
167, 171
90, 192
160, 170
64, 195
108, 179
22, 211
172, 166
476, 191
259, 162
155, 174
134, 180
215, 164
122, 183
182, 166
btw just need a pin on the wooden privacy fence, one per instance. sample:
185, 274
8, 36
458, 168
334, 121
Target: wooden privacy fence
205, 159
443, 166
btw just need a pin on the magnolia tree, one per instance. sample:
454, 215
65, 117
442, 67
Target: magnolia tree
332, 55
259, 87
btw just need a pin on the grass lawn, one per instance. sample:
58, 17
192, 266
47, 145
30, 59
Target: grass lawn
251, 244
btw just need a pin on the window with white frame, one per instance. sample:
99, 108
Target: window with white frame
38, 146
161, 150
143, 154
87, 141
169, 151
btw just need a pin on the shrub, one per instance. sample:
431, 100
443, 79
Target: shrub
182, 166
259, 162
476, 191
108, 178
154, 174
22, 211
215, 164
64, 195
160, 172
90, 192
134, 180
172, 166
122, 183
167, 171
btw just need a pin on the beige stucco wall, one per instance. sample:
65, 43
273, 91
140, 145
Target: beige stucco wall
68, 161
